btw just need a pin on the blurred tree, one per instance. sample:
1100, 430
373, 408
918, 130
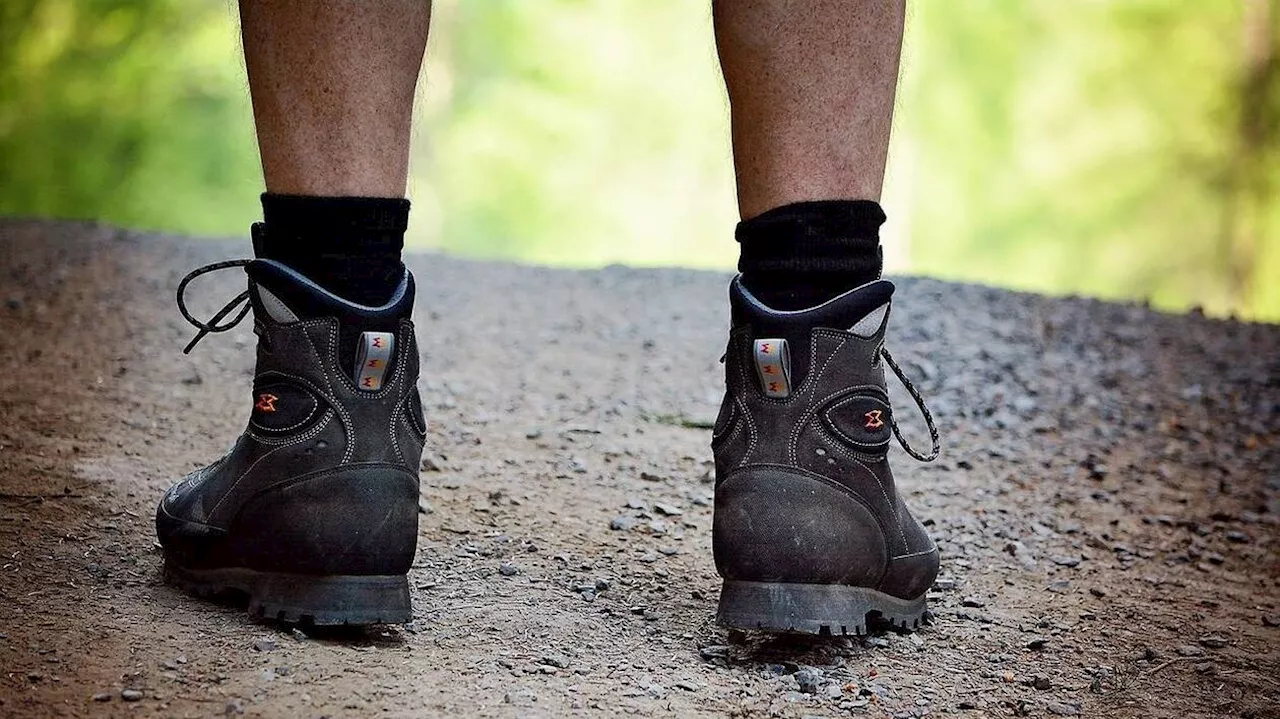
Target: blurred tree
1122, 149
129, 111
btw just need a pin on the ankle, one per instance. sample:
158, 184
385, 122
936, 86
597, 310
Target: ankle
802, 254
351, 246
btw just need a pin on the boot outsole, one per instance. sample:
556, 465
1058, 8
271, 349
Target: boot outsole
303, 599
822, 609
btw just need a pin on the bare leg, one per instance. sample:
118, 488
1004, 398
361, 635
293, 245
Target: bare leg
333, 85
811, 87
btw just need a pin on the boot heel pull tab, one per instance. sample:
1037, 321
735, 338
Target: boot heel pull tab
373, 354
773, 365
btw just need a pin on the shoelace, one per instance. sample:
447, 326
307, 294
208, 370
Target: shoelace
212, 325
936, 448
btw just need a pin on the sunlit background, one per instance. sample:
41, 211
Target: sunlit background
1114, 148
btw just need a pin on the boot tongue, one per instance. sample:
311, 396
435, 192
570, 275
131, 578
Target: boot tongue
844, 312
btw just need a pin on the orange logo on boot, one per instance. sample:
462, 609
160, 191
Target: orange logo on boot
266, 403
873, 419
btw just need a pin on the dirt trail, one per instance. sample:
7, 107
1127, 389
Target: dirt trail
1107, 505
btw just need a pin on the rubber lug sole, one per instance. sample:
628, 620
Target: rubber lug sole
823, 609
304, 599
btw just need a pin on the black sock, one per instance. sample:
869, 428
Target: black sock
801, 255
350, 246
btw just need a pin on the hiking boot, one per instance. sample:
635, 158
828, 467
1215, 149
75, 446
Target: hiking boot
314, 512
810, 534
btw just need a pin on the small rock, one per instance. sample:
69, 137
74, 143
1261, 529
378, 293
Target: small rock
101, 697
668, 509
131, 695
1271, 620
1066, 560
808, 679
1238, 537
1098, 592
668, 550
1063, 709
1037, 644
1213, 641
233, 707
657, 691
298, 634
424, 507
507, 569
714, 651
637, 503
1041, 682
623, 523
944, 585
1061, 586
973, 602
601, 584
559, 661
686, 685
1190, 650
532, 433
264, 645
431, 463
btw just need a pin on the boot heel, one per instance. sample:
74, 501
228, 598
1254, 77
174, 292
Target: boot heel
825, 609
331, 600
304, 598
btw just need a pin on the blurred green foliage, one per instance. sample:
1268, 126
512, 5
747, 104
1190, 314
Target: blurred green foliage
1119, 149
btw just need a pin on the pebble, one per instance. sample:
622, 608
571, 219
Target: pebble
944, 585
1041, 682
714, 651
668, 509
657, 691
507, 569
1063, 709
1238, 537
131, 695
264, 645
1037, 644
559, 661
686, 685
298, 634
1190, 650
1271, 620
972, 602
623, 523
102, 697
1066, 560
637, 503
1213, 641
808, 679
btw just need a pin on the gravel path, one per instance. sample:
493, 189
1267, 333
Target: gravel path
1107, 505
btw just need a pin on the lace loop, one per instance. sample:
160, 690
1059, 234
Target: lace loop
212, 325
936, 448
